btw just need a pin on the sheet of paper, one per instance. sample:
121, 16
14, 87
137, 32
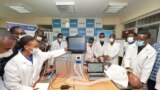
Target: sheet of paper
42, 86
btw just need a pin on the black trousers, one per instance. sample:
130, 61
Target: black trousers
151, 84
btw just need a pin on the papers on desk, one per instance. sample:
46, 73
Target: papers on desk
42, 86
118, 75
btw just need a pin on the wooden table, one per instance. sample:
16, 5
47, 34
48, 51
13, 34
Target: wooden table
61, 80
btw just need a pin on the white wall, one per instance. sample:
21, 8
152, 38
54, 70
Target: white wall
138, 8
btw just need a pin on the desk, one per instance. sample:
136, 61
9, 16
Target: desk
62, 77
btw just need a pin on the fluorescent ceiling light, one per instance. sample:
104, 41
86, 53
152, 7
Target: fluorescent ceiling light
19, 9
66, 7
114, 7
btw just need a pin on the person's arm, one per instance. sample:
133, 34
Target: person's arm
54, 53
12, 78
158, 81
147, 66
116, 53
127, 57
95, 50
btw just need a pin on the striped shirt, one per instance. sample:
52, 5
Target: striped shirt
157, 63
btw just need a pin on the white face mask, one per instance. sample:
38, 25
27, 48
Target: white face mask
130, 39
20, 37
102, 39
60, 39
6, 54
38, 38
35, 51
111, 39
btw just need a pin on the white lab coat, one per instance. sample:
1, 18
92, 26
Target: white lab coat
113, 52
142, 63
21, 74
158, 81
89, 53
56, 45
99, 49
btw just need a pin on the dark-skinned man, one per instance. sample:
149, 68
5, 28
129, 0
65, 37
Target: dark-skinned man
7, 42
139, 60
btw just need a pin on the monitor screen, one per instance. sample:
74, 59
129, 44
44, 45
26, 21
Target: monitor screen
95, 67
76, 44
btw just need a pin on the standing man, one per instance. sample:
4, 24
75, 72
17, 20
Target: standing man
7, 42
139, 60
59, 43
152, 79
100, 48
112, 50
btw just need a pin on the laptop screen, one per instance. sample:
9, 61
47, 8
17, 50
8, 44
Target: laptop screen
95, 68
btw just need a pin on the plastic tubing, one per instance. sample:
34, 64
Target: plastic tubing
88, 83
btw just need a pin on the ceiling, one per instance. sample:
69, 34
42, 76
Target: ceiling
47, 8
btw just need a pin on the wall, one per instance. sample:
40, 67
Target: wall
48, 20
138, 8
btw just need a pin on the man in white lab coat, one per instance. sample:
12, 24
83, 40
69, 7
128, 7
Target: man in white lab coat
59, 43
139, 60
99, 48
89, 54
131, 38
22, 71
112, 50
7, 42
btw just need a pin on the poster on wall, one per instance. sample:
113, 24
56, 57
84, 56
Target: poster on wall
81, 31
98, 23
73, 23
29, 29
89, 31
106, 32
73, 32
56, 31
65, 32
90, 23
81, 23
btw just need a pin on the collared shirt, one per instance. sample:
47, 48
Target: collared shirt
157, 63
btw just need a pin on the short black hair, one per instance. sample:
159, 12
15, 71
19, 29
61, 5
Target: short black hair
148, 34
6, 34
25, 40
101, 34
135, 34
39, 31
113, 35
12, 29
91, 39
59, 34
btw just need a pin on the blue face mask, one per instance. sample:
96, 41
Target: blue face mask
140, 43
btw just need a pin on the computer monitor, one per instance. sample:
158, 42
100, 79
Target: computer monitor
76, 44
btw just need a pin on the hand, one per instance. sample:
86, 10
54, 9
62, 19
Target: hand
35, 88
134, 81
99, 59
106, 57
66, 49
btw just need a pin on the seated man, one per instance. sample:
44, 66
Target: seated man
22, 71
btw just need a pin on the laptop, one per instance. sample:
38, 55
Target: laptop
95, 70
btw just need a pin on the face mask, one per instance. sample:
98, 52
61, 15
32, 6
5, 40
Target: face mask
111, 39
60, 39
102, 39
20, 37
130, 39
140, 43
6, 54
38, 38
35, 51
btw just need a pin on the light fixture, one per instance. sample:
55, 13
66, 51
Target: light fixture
66, 7
19, 9
114, 7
